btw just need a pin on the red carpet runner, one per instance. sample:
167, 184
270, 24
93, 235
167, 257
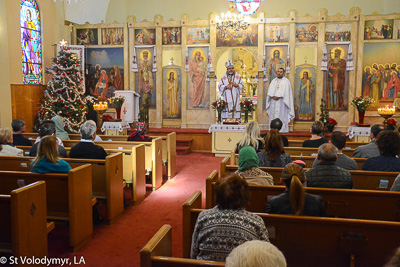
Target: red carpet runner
119, 244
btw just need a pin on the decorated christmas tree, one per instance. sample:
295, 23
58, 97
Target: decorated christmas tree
64, 95
324, 113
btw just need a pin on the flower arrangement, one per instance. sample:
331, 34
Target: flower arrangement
107, 118
332, 122
247, 105
117, 101
362, 103
391, 122
219, 105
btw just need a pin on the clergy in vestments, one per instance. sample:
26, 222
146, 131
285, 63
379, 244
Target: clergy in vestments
280, 101
230, 87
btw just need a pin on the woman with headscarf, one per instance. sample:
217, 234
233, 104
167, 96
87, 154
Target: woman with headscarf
61, 133
248, 168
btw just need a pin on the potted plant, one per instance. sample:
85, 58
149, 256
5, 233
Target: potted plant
391, 124
331, 124
246, 106
362, 104
117, 102
219, 105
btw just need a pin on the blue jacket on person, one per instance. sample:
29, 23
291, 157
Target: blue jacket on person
45, 166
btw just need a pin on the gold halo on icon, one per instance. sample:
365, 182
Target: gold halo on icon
333, 52
274, 49
308, 71
174, 72
201, 52
141, 55
365, 69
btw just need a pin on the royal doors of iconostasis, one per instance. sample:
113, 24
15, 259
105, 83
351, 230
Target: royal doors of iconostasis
245, 63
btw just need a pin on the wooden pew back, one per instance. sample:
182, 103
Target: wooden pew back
69, 197
106, 178
342, 203
366, 180
316, 241
23, 226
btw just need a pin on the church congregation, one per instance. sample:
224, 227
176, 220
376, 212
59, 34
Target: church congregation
223, 133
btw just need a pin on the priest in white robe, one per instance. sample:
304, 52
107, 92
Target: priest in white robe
280, 101
230, 87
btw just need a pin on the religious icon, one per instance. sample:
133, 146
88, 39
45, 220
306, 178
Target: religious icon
337, 32
198, 88
172, 92
145, 78
305, 92
381, 75
336, 78
145, 36
231, 38
276, 33
306, 32
378, 29
198, 35
171, 35
112, 36
87, 36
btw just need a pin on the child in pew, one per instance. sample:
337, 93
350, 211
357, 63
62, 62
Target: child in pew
6, 147
47, 159
294, 200
139, 134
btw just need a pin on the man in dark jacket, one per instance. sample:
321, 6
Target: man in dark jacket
47, 128
86, 149
326, 173
18, 126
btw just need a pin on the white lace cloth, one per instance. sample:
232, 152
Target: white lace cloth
115, 125
232, 128
358, 131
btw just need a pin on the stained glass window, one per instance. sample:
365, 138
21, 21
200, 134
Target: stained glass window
31, 43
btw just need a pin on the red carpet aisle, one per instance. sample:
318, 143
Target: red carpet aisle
119, 244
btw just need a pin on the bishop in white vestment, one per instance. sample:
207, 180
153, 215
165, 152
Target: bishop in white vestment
230, 87
280, 101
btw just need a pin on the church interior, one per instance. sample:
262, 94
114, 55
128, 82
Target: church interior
341, 61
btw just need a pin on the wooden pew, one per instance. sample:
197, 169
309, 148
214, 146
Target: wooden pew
107, 182
134, 171
158, 252
69, 198
23, 226
153, 155
365, 180
353, 145
309, 160
342, 203
168, 147
316, 241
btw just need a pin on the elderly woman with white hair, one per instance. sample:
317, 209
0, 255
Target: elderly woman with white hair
86, 149
256, 253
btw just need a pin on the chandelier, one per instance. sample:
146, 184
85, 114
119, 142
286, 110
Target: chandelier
232, 20
69, 1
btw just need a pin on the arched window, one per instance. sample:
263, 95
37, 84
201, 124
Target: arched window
31, 42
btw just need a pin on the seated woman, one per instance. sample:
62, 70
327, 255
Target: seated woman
248, 168
251, 137
6, 147
294, 200
61, 133
221, 229
316, 139
47, 159
275, 155
139, 134
388, 143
